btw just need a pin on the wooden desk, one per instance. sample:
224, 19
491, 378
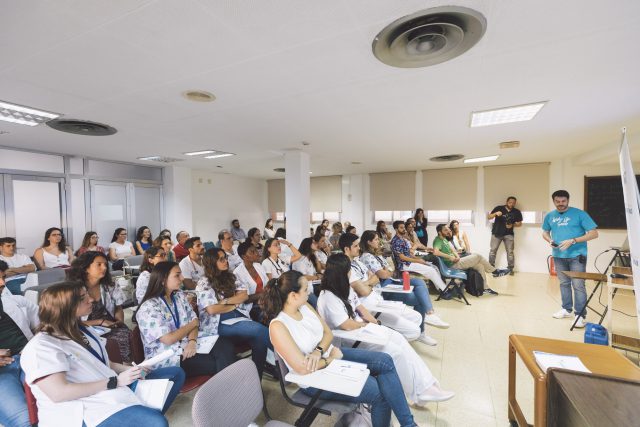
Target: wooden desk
597, 358
613, 287
596, 277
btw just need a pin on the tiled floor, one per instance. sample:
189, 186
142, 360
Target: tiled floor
471, 356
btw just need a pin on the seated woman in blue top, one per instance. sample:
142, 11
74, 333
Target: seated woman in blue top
220, 298
167, 322
303, 340
143, 240
69, 372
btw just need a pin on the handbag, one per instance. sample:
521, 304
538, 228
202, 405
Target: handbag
359, 417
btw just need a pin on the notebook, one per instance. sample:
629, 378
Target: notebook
153, 393
340, 376
550, 360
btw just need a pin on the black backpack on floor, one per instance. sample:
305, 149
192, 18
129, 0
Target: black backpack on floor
474, 284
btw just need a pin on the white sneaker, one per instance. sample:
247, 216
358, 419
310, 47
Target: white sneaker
562, 314
580, 323
434, 320
434, 394
426, 339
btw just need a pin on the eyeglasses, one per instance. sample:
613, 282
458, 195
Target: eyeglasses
55, 234
222, 259
122, 234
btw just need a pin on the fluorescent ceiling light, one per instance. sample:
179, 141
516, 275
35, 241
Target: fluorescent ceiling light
518, 113
151, 158
481, 159
199, 153
219, 155
24, 115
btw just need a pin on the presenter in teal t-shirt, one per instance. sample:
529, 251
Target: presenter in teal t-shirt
568, 230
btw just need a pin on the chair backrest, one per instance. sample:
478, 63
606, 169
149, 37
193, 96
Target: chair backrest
32, 405
134, 260
137, 347
113, 351
232, 398
208, 245
450, 273
51, 275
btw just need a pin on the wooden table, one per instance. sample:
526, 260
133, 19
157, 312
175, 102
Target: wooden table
596, 277
613, 287
598, 359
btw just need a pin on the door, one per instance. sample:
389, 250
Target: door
108, 209
147, 208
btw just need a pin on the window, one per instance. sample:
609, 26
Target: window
391, 216
318, 217
464, 217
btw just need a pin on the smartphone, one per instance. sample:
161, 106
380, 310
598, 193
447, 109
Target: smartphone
554, 244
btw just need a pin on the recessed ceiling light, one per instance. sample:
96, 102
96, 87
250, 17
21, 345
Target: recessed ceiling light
481, 159
447, 158
218, 155
24, 115
356, 163
199, 153
199, 96
160, 159
518, 113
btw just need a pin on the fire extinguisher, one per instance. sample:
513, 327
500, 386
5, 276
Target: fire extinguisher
551, 266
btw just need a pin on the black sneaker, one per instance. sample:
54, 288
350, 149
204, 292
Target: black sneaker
500, 272
490, 291
511, 272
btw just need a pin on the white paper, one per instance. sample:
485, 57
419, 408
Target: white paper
550, 360
340, 376
205, 344
100, 330
158, 358
396, 288
235, 320
153, 393
371, 333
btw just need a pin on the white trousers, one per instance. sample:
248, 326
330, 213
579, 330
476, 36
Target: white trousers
427, 271
406, 323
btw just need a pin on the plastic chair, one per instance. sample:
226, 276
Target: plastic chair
32, 405
454, 277
43, 277
233, 398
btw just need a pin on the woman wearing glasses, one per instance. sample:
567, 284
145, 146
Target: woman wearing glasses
152, 256
54, 252
120, 248
90, 244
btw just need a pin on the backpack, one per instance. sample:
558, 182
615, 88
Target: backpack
360, 417
474, 284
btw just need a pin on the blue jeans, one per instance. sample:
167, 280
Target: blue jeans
171, 373
419, 299
566, 283
256, 333
382, 390
135, 416
13, 404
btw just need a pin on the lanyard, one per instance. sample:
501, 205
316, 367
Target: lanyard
383, 263
355, 265
100, 356
276, 264
176, 318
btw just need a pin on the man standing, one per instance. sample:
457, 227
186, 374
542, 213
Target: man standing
236, 232
226, 243
191, 266
19, 264
179, 250
505, 219
568, 230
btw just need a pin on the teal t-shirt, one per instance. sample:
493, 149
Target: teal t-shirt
571, 224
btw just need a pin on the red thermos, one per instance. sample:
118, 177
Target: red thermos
405, 280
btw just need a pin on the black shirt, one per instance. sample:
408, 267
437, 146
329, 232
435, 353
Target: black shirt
508, 217
11, 335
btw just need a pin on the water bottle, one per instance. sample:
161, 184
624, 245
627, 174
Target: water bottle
405, 280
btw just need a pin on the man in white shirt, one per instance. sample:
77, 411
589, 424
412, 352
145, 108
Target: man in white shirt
226, 243
19, 265
18, 320
191, 266
367, 286
236, 232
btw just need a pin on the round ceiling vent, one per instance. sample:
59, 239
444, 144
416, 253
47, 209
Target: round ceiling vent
447, 158
81, 127
429, 37
279, 170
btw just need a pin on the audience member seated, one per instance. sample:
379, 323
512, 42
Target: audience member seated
167, 322
152, 256
411, 236
251, 279
67, 367
384, 236
218, 302
90, 244
443, 249
341, 308
269, 232
92, 270
179, 250
191, 266
18, 321
459, 239
421, 226
323, 251
236, 232
367, 285
143, 240
303, 340
165, 243
274, 261
336, 232
19, 265
54, 251
325, 228
226, 243
308, 264
120, 248
165, 233
405, 260
419, 299
351, 229
254, 237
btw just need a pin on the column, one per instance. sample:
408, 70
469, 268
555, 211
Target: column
297, 195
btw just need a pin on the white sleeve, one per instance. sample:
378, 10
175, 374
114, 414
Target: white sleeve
141, 285
25, 260
42, 357
332, 310
186, 268
268, 268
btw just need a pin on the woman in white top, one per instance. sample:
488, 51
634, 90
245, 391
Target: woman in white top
274, 261
340, 307
269, 232
69, 372
120, 248
152, 256
251, 280
308, 264
303, 340
323, 251
459, 238
54, 251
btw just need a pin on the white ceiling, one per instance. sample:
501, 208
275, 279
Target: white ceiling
287, 71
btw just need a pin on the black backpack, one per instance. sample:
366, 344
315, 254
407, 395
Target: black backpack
474, 284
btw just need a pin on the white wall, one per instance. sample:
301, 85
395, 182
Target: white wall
177, 199
219, 198
355, 201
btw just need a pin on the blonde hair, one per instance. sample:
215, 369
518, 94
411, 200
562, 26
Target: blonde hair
58, 311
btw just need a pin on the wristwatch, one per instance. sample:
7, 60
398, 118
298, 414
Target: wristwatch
574, 241
113, 383
319, 348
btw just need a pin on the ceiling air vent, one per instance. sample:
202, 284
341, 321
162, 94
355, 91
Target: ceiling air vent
160, 159
279, 170
447, 158
429, 37
81, 127
509, 144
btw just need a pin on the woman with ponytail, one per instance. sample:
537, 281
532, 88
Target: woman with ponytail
303, 340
